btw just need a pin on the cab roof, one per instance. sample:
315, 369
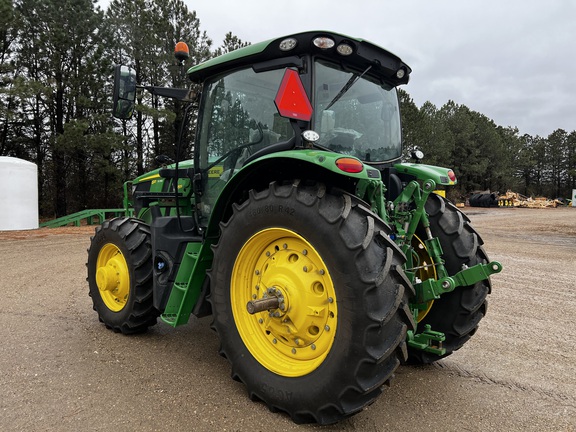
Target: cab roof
384, 64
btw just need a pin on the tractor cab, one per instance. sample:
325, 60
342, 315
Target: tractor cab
312, 90
316, 91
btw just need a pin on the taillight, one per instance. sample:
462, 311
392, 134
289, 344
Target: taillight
451, 175
350, 165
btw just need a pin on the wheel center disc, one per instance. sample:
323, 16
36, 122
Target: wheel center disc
427, 271
112, 277
294, 338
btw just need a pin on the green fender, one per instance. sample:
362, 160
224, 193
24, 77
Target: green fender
313, 160
440, 175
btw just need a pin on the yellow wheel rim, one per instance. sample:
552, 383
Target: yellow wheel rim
112, 277
295, 338
426, 270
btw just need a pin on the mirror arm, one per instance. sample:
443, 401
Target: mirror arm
184, 95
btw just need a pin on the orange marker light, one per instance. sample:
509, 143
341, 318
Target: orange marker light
181, 51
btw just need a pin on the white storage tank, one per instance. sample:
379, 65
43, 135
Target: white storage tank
18, 194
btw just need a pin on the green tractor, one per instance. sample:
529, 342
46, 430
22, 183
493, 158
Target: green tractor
324, 260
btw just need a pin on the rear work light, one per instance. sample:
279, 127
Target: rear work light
310, 136
323, 42
288, 44
349, 165
344, 49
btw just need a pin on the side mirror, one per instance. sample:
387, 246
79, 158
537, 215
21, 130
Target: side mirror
124, 95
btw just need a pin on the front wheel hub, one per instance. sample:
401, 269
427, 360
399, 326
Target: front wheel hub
107, 277
284, 302
112, 277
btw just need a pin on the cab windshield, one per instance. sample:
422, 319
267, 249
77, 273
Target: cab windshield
364, 121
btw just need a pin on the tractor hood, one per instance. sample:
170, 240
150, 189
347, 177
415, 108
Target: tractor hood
155, 174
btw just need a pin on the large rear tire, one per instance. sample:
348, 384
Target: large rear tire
338, 332
120, 275
457, 314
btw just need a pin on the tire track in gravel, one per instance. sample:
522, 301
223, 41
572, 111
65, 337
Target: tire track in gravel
566, 400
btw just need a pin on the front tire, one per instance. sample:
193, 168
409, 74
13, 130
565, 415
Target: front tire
457, 314
120, 275
338, 333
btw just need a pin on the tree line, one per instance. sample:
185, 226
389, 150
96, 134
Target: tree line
57, 58
56, 61
486, 156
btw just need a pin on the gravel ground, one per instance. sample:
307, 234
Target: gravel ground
61, 370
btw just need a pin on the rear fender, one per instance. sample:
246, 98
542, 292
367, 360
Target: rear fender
314, 165
285, 166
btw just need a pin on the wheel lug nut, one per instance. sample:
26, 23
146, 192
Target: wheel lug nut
313, 346
327, 327
293, 350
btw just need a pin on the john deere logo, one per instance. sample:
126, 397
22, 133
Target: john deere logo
215, 172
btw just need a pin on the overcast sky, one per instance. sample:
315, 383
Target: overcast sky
512, 60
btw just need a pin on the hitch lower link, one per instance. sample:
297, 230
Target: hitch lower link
432, 289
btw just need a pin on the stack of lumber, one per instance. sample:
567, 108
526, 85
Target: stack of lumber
514, 199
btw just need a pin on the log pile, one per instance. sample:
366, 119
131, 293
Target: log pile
514, 199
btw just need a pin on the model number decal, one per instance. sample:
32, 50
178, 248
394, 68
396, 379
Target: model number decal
279, 394
273, 209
